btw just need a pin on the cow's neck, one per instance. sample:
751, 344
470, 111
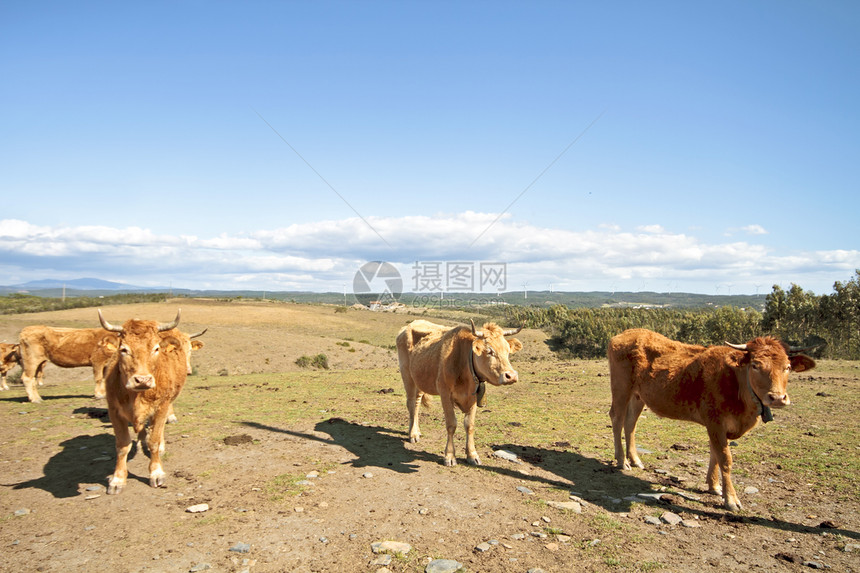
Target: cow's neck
763, 411
480, 385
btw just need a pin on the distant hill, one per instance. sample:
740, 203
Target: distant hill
77, 284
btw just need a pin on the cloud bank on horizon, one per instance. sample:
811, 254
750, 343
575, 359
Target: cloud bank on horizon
324, 256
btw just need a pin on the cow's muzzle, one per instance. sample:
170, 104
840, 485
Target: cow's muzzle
140, 382
776, 400
508, 377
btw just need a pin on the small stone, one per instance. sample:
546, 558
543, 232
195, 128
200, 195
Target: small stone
367, 475
313, 474
552, 546
322, 504
691, 523
323, 539
539, 534
200, 567
813, 564
535, 570
651, 520
650, 495
299, 509
525, 490
423, 511
382, 561
518, 536
22, 512
89, 497
199, 508
304, 482
396, 547
545, 519
661, 472
573, 506
750, 490
482, 547
95, 488
241, 548
851, 547
594, 543
443, 566
828, 525
671, 518
563, 538
507, 456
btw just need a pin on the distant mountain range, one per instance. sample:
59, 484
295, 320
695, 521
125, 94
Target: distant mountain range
77, 284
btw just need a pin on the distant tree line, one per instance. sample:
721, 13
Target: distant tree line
830, 322
17, 303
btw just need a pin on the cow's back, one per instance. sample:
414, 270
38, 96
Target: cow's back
66, 347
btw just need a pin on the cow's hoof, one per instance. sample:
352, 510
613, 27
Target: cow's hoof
450, 462
624, 466
172, 418
415, 439
734, 506
115, 486
36, 400
156, 478
716, 490
476, 461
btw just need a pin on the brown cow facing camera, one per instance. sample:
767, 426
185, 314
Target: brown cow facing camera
143, 377
454, 364
724, 388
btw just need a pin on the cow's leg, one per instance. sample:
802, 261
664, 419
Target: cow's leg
31, 373
720, 450
634, 410
123, 446
99, 378
413, 402
469, 426
621, 393
155, 444
713, 482
3, 385
171, 415
450, 426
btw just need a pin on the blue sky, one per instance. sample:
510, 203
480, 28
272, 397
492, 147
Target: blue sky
666, 146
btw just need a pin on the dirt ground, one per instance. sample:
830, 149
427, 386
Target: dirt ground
366, 482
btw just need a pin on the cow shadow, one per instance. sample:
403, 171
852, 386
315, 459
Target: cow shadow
24, 400
372, 446
83, 461
595, 481
600, 483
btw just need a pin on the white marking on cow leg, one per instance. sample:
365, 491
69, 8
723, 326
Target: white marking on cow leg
3, 385
713, 479
156, 477
30, 387
115, 485
412, 405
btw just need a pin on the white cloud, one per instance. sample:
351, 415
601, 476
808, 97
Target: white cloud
324, 255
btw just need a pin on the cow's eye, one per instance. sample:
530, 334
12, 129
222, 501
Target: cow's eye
155, 349
756, 366
491, 352
125, 350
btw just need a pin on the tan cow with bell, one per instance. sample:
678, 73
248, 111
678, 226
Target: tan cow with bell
143, 377
454, 364
724, 388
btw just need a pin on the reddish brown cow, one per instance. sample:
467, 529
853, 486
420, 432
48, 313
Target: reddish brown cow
454, 364
724, 388
142, 379
65, 347
9, 358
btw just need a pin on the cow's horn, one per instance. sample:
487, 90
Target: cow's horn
803, 350
477, 333
170, 325
512, 331
201, 333
108, 326
737, 346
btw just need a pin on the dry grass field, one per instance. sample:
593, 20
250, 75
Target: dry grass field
309, 467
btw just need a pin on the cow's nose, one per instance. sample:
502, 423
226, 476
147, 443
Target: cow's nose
144, 381
778, 400
510, 376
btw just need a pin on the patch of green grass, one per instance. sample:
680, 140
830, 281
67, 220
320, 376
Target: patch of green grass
317, 361
284, 486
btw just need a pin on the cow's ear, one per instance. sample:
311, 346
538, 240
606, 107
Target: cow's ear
478, 346
515, 344
196, 344
108, 345
801, 363
169, 344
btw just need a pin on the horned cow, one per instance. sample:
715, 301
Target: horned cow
454, 364
724, 388
143, 377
